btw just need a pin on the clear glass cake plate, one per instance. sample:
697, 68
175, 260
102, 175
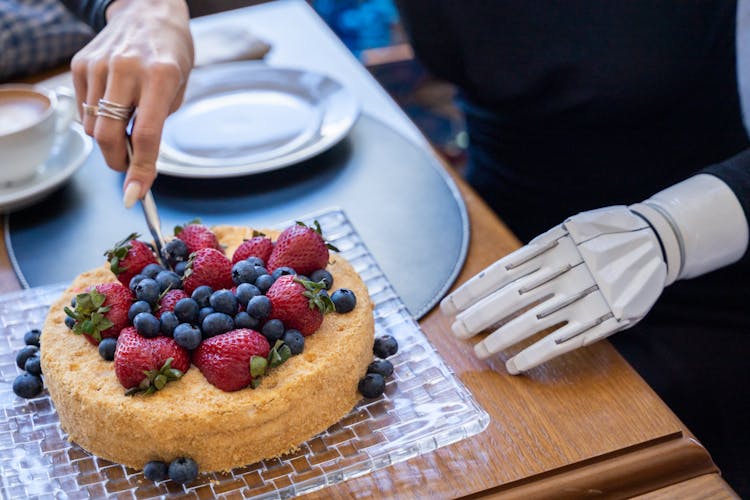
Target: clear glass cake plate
424, 407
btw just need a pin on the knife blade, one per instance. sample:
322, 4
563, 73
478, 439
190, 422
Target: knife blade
150, 213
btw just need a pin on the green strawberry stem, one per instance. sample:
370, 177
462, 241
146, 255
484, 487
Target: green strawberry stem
119, 252
259, 365
156, 380
90, 313
317, 229
179, 229
320, 301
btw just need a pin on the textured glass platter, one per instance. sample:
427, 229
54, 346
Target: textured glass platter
424, 407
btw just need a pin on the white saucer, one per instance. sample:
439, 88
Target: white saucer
68, 154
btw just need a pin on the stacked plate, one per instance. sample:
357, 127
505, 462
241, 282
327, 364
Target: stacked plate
246, 118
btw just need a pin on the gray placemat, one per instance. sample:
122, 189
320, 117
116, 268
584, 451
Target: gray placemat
406, 208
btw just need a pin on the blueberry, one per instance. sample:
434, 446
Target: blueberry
385, 346
180, 267
187, 310
259, 307
183, 470
27, 385
187, 336
245, 292
264, 282
151, 270
148, 289
205, 311
372, 385
139, 306
382, 367
107, 348
243, 272
217, 323
168, 280
73, 303
135, 280
32, 337
282, 271
344, 300
273, 330
168, 322
33, 365
176, 251
224, 301
147, 325
70, 322
244, 320
25, 353
324, 276
256, 261
156, 470
202, 294
295, 340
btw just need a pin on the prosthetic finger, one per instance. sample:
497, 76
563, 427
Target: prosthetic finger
570, 337
519, 295
564, 307
551, 247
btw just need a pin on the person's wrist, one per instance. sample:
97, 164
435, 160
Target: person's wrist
175, 7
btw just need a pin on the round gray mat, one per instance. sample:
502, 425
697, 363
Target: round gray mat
396, 195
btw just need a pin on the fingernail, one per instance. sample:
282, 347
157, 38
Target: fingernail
132, 194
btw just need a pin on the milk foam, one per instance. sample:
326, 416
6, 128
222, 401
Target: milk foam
18, 114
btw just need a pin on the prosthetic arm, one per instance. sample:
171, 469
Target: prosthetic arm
599, 271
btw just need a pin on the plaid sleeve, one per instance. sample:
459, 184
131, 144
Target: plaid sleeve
37, 35
90, 11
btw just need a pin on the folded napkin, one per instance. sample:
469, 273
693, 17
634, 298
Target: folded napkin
229, 43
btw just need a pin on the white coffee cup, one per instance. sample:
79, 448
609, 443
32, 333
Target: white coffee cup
31, 118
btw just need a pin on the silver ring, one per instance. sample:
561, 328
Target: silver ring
109, 109
89, 110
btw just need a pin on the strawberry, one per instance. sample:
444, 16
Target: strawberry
208, 266
169, 299
128, 257
147, 365
300, 247
299, 303
258, 246
101, 311
225, 359
197, 236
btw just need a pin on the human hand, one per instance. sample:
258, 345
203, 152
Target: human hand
140, 61
598, 272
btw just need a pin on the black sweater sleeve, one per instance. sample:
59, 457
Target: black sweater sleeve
89, 11
735, 172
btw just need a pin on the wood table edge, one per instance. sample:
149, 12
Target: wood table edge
660, 463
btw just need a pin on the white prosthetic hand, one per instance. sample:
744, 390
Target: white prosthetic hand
599, 271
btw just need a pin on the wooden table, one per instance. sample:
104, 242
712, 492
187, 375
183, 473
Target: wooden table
582, 425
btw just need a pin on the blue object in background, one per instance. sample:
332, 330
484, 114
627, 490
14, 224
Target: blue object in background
361, 24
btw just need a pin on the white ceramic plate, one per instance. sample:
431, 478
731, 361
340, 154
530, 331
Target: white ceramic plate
67, 155
246, 117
